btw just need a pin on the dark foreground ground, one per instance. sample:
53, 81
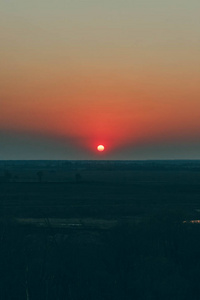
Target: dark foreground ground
99, 230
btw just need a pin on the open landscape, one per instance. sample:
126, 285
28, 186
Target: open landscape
99, 229
100, 150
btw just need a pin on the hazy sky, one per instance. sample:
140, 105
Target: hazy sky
76, 73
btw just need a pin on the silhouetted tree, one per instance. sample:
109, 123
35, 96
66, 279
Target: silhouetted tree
40, 175
78, 177
7, 176
16, 178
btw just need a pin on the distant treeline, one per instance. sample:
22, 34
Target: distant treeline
151, 165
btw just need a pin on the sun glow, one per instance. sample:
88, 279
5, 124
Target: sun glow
100, 148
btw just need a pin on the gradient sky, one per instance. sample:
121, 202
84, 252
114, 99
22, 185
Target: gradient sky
76, 73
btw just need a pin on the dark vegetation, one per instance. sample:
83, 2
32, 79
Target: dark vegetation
111, 230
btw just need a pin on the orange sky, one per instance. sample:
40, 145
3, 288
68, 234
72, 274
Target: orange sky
117, 73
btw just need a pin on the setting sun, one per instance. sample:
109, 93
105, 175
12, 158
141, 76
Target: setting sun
100, 148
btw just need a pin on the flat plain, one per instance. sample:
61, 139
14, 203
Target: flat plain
99, 229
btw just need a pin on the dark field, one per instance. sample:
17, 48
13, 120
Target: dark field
99, 230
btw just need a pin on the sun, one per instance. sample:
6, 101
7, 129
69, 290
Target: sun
100, 148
